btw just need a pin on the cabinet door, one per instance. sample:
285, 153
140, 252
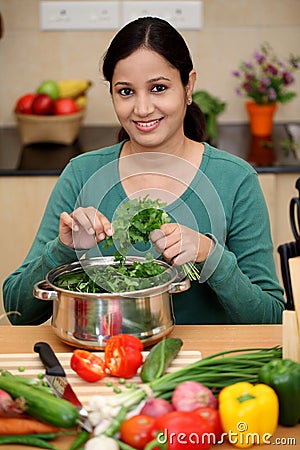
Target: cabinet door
22, 204
278, 190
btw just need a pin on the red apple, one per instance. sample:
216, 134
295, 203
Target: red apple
24, 104
42, 104
65, 106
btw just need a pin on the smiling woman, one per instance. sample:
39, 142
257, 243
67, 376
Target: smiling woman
218, 216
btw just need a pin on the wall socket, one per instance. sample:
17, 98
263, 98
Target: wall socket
79, 15
111, 15
184, 15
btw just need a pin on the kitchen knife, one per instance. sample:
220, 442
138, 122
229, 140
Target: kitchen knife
55, 377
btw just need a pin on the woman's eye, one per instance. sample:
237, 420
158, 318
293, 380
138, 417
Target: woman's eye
125, 92
159, 88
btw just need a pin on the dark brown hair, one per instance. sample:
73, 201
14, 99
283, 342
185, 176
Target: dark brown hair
158, 35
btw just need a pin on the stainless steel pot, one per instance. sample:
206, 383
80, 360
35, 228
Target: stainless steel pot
87, 320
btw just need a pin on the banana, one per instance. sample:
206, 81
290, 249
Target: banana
73, 88
81, 101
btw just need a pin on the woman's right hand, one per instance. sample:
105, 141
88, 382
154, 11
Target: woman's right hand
84, 228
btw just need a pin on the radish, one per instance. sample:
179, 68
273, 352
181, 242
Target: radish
10, 407
156, 407
190, 395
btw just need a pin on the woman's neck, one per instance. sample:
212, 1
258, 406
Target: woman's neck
160, 175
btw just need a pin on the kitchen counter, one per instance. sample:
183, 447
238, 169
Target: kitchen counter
208, 339
50, 159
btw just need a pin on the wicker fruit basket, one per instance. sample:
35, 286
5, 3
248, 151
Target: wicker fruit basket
60, 129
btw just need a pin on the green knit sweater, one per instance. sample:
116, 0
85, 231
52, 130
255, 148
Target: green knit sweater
224, 200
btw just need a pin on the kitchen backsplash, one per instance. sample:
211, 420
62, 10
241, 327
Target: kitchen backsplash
232, 30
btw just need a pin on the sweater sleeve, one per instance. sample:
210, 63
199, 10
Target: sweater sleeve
242, 273
46, 253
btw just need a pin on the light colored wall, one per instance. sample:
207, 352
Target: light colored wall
232, 30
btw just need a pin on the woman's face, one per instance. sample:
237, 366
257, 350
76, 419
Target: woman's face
149, 98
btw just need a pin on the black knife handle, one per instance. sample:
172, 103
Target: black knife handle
48, 358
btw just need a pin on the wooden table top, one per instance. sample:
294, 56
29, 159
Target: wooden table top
208, 339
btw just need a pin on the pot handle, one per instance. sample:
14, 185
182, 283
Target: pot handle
180, 286
43, 291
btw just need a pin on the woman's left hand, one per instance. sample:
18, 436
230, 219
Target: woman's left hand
180, 244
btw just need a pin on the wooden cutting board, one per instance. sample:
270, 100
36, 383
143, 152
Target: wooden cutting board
84, 390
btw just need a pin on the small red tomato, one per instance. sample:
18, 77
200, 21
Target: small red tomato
24, 104
137, 430
213, 417
65, 106
42, 104
88, 366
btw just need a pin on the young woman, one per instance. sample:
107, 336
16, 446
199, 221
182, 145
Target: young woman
219, 216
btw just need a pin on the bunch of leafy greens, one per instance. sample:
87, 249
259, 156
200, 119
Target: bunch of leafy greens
115, 277
134, 222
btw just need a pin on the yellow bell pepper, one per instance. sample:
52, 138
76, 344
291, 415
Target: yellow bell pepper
249, 413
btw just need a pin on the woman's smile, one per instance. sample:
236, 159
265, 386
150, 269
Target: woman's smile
147, 126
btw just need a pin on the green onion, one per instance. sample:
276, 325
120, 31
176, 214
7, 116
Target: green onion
216, 372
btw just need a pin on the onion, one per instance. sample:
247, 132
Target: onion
156, 407
190, 395
10, 407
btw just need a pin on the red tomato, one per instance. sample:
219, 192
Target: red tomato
137, 430
183, 430
65, 106
213, 417
88, 366
42, 104
24, 104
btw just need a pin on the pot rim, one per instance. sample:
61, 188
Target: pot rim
110, 260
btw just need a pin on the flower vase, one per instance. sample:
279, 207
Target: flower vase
261, 118
261, 151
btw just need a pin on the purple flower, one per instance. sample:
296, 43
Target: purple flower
249, 77
247, 87
271, 69
272, 94
287, 78
265, 81
259, 57
265, 78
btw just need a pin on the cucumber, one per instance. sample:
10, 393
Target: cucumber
41, 405
159, 358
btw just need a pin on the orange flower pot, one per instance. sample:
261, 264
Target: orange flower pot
261, 118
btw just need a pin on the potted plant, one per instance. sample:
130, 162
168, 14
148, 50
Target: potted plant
211, 107
265, 81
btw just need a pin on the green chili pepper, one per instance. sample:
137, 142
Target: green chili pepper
283, 375
80, 440
26, 440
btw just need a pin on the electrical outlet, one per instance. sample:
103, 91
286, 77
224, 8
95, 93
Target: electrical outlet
182, 15
79, 15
